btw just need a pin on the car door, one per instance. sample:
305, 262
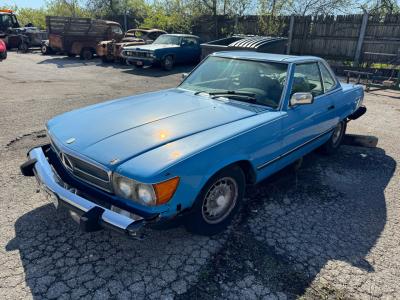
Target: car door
306, 123
190, 49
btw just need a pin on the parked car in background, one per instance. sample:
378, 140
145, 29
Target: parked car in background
80, 36
110, 51
3, 50
167, 50
18, 37
190, 151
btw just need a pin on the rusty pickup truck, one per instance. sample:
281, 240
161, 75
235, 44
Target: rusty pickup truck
80, 36
110, 51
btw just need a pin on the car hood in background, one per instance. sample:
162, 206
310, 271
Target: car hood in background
122, 129
152, 47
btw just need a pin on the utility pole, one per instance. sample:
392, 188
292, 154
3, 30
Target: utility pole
125, 15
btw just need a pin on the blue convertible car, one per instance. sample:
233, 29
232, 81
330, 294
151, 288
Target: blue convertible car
190, 151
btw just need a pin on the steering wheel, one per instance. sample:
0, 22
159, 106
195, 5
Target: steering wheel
261, 96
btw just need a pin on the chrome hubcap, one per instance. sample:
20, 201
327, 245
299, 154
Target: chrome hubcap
220, 200
337, 133
168, 62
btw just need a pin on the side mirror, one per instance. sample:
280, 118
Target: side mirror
301, 99
184, 75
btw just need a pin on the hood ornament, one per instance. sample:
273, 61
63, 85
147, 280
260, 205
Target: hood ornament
70, 140
114, 161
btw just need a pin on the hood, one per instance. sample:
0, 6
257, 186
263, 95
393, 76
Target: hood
152, 47
122, 129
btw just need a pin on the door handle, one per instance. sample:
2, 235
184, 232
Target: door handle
331, 107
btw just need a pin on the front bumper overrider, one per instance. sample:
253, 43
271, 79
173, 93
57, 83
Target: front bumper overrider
90, 215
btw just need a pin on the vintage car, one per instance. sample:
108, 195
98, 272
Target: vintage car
167, 50
109, 51
190, 151
79, 36
3, 50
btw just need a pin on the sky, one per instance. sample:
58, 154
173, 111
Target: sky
23, 3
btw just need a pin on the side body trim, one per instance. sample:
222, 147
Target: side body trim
266, 164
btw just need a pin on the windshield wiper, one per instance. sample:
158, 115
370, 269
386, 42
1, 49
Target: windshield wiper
237, 95
199, 92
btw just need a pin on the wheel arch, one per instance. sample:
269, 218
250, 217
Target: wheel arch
168, 54
244, 164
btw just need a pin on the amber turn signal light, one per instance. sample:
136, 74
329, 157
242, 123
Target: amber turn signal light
165, 190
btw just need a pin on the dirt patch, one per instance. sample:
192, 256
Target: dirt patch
28, 140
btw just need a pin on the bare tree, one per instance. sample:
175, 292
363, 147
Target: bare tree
380, 7
318, 7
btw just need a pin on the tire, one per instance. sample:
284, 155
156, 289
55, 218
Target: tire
335, 140
208, 217
44, 49
86, 54
69, 54
167, 63
23, 47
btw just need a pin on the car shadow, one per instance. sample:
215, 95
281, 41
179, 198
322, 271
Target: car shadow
68, 62
156, 71
333, 208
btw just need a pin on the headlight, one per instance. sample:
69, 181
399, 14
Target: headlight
145, 194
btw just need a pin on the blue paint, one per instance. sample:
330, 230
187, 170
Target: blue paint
180, 51
175, 132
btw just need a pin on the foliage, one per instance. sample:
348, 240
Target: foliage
172, 16
181, 15
381, 7
37, 17
67, 8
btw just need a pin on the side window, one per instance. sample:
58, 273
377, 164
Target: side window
189, 42
116, 29
153, 35
307, 79
327, 78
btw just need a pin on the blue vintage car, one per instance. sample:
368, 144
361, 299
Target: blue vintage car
167, 50
190, 151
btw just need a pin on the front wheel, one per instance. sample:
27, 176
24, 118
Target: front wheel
217, 203
167, 63
333, 144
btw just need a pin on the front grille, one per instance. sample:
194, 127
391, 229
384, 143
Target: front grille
84, 170
87, 171
139, 54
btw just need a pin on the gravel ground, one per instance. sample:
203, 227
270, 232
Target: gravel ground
329, 230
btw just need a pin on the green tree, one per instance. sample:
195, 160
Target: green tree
67, 8
172, 16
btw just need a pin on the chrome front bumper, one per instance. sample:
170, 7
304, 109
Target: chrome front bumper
90, 216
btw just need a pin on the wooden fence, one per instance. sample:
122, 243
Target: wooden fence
357, 38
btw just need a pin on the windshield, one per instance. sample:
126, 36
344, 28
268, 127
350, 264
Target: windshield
168, 39
8, 21
229, 77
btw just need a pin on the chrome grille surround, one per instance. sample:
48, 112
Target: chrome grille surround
83, 170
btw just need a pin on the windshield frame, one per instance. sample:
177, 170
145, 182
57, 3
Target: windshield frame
284, 89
